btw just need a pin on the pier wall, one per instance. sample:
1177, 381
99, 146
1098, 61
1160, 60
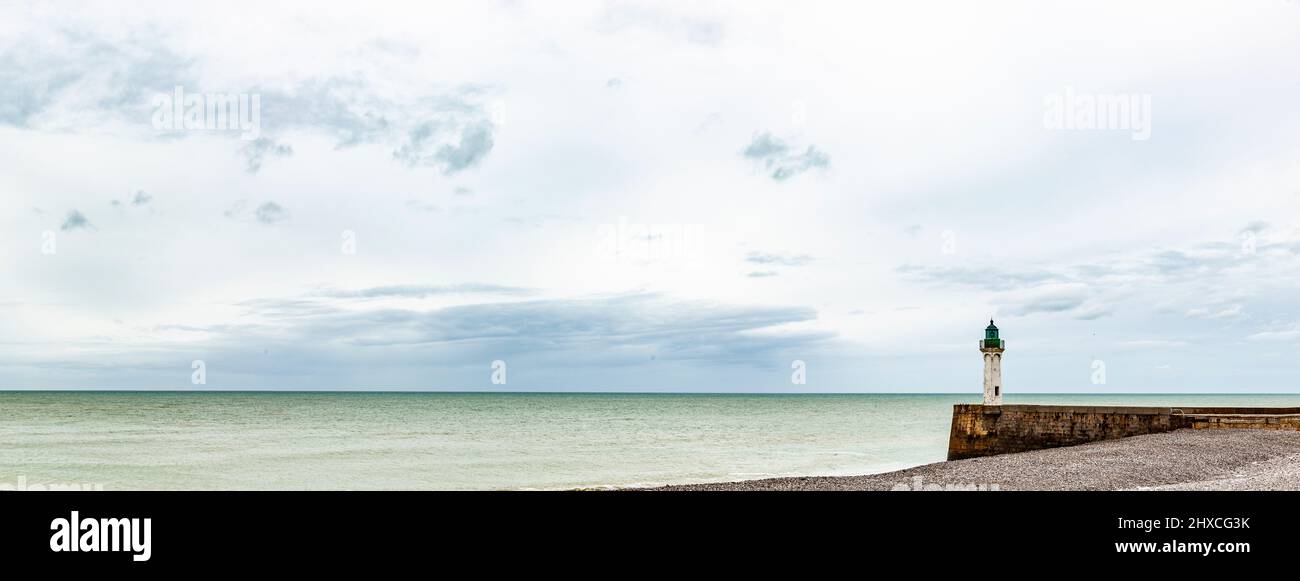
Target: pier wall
979, 430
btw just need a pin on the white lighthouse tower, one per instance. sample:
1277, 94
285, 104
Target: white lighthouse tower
991, 346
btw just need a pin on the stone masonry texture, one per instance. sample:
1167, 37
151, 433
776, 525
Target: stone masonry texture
979, 430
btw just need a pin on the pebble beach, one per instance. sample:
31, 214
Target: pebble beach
1179, 460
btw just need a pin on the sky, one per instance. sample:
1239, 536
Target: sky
651, 196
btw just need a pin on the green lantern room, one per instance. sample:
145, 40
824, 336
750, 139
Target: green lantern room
991, 340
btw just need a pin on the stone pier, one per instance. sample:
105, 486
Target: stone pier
980, 430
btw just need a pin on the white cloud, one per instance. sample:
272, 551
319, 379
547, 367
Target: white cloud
724, 117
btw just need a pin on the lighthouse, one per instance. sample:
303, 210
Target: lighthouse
991, 346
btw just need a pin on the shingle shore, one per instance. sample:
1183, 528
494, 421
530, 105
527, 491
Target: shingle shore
1179, 460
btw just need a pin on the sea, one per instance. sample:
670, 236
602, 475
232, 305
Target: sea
106, 440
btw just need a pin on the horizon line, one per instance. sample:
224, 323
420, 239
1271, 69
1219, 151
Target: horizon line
608, 392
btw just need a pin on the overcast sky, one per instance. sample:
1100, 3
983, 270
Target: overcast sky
651, 196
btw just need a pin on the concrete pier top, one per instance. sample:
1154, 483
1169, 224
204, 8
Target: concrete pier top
1059, 409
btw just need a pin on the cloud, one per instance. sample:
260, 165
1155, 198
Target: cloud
1092, 313
1284, 334
423, 206
268, 213
343, 338
422, 291
140, 198
777, 157
1219, 273
60, 77
584, 327
764, 146
1209, 261
991, 278
1054, 299
1178, 262
1228, 312
257, 151
1152, 343
447, 129
402, 114
1255, 227
65, 79
625, 15
271, 212
236, 211
75, 221
1019, 292
783, 260
709, 122
474, 145
392, 48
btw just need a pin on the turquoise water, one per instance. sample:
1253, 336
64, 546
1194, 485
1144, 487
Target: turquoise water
160, 440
